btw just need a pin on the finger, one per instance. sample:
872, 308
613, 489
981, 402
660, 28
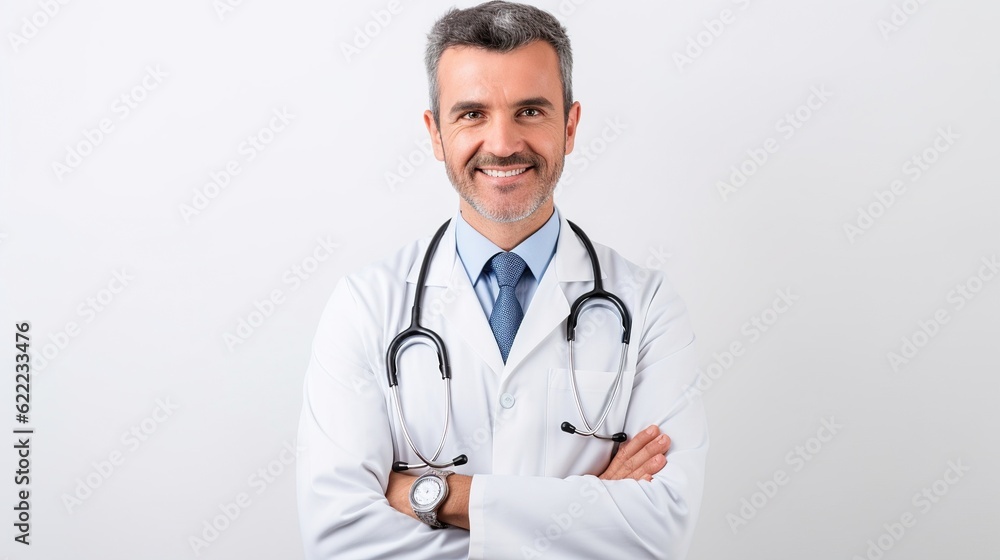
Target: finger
646, 444
650, 467
655, 448
624, 462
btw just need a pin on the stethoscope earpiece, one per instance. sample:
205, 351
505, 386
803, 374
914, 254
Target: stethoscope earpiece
400, 466
571, 429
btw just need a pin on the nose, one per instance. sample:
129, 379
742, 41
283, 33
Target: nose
503, 138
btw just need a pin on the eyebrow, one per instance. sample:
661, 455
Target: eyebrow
466, 106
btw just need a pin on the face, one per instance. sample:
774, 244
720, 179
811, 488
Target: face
503, 133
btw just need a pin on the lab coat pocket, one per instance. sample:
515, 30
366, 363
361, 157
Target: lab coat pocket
569, 454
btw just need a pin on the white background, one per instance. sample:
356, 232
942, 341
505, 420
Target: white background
652, 190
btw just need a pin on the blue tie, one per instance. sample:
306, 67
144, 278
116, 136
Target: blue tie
507, 313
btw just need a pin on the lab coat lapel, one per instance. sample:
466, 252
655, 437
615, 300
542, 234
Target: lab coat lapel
450, 294
463, 310
550, 304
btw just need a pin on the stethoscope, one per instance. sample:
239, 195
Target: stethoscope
416, 333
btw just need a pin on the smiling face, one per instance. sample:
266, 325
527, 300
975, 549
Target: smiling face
503, 131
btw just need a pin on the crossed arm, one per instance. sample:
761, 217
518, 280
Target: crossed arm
639, 459
349, 498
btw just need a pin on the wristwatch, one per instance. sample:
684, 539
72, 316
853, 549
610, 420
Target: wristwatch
427, 494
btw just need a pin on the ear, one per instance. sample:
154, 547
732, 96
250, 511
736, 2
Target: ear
432, 129
571, 121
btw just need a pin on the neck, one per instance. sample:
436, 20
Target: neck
511, 234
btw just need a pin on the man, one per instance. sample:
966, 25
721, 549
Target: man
498, 292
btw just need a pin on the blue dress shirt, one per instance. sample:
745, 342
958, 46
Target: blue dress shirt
475, 251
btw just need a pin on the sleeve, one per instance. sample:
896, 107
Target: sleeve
585, 517
347, 450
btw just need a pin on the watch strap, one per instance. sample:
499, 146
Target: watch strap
430, 518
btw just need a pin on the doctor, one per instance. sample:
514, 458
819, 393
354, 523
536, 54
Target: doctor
498, 292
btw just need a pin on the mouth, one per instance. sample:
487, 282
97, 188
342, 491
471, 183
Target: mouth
503, 173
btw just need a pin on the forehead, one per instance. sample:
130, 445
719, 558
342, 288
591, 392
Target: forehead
471, 72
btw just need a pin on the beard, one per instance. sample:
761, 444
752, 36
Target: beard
540, 187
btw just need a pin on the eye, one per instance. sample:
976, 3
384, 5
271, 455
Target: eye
472, 115
530, 112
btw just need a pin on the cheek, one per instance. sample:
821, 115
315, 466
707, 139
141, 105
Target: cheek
459, 148
548, 142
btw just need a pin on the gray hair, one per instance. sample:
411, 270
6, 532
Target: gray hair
497, 26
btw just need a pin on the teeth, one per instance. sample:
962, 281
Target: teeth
498, 173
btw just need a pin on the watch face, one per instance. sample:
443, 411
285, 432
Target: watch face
426, 491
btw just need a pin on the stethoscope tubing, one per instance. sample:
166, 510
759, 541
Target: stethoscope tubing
607, 407
415, 331
409, 441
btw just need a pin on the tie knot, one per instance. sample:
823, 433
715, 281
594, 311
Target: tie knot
508, 267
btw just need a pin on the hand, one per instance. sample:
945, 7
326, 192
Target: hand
398, 492
639, 458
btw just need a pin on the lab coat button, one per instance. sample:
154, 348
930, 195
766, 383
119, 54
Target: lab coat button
506, 400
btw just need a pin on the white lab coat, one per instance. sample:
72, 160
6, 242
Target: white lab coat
535, 493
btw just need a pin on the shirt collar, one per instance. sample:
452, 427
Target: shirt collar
476, 250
